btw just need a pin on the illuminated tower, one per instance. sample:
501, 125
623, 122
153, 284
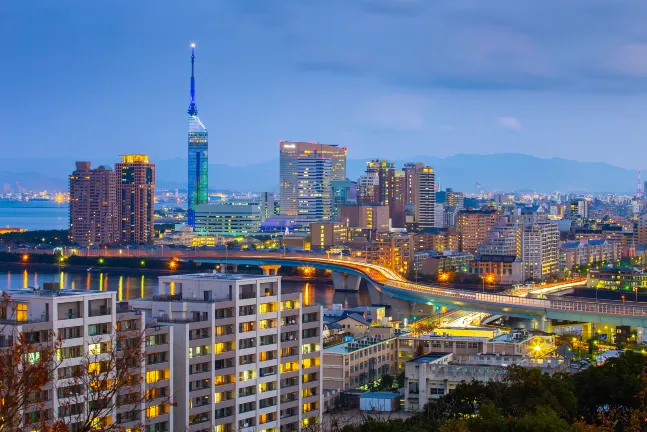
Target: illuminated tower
198, 183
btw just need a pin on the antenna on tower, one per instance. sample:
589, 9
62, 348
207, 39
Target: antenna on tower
639, 186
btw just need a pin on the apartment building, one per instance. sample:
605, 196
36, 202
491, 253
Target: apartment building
473, 228
246, 357
91, 333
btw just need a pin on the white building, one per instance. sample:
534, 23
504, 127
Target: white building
425, 197
232, 218
87, 324
540, 253
246, 357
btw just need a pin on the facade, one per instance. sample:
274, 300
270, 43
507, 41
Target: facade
136, 198
390, 190
290, 153
198, 169
505, 239
454, 199
425, 197
93, 210
91, 322
438, 239
473, 228
266, 200
617, 278
501, 269
578, 209
232, 218
365, 216
246, 356
411, 181
314, 190
540, 250
358, 362
586, 252
393, 251
327, 234
433, 262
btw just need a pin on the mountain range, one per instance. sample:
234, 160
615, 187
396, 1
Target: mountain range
495, 172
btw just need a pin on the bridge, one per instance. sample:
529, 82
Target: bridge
348, 272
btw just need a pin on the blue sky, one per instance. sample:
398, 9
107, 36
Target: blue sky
386, 78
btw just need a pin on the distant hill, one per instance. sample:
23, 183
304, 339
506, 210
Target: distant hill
495, 172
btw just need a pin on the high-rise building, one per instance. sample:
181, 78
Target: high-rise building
540, 250
136, 198
425, 197
93, 211
411, 181
390, 190
266, 201
290, 153
372, 217
246, 357
454, 199
198, 179
578, 209
314, 191
368, 189
473, 228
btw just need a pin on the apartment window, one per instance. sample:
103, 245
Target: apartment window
222, 347
247, 375
223, 313
267, 355
247, 326
267, 386
267, 324
247, 310
156, 375
21, 312
224, 330
267, 307
246, 407
247, 343
247, 359
268, 340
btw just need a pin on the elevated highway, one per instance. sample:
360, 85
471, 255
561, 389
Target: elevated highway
515, 303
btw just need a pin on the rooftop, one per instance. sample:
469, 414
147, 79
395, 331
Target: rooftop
39, 292
379, 395
429, 358
354, 345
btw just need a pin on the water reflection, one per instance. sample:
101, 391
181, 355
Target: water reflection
130, 287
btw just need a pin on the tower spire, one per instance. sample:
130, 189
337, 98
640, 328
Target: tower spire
193, 109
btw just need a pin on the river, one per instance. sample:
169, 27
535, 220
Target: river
130, 287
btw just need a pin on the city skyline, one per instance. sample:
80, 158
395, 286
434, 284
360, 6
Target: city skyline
521, 89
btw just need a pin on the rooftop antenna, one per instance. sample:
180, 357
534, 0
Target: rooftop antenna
639, 186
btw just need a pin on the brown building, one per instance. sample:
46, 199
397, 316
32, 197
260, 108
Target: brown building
473, 228
438, 239
93, 211
326, 234
393, 251
136, 198
365, 216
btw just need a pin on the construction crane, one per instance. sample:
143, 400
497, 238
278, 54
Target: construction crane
482, 191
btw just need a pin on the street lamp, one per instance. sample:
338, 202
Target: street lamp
636, 291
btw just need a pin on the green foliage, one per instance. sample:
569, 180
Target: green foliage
611, 397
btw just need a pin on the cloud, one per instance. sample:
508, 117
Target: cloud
509, 123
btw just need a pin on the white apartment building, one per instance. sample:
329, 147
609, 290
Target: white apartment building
425, 197
245, 358
87, 324
232, 218
540, 253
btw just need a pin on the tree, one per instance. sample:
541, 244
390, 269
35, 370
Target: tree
99, 388
27, 363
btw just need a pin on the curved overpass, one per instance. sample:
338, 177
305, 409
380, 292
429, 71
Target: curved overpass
392, 284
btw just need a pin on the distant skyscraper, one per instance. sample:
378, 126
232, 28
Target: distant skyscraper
93, 212
290, 153
136, 198
198, 183
425, 197
314, 191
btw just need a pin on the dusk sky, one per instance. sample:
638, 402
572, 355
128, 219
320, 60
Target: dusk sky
386, 78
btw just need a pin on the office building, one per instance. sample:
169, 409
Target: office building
368, 188
326, 234
228, 218
136, 198
473, 228
88, 323
290, 153
198, 169
425, 197
314, 190
93, 210
577, 209
344, 192
364, 216
266, 201
540, 253
246, 356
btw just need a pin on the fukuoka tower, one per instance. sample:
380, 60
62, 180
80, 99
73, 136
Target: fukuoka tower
198, 153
